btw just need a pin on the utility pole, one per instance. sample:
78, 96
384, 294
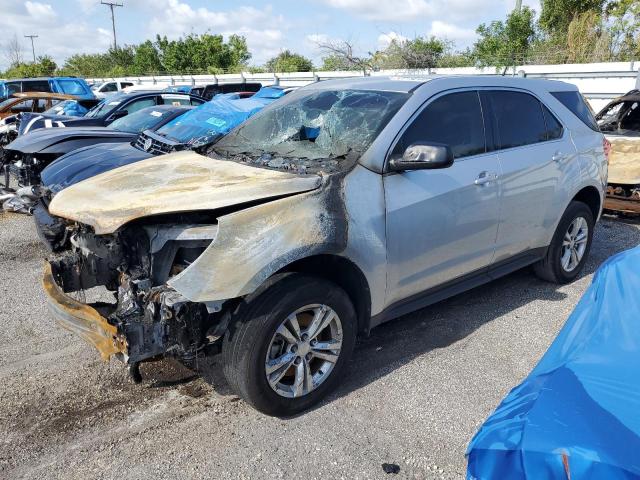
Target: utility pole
518, 5
33, 48
111, 5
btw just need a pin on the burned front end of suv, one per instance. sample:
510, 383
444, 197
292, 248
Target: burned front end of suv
136, 316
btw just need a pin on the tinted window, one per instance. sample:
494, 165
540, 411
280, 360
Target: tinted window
140, 104
518, 118
36, 86
454, 120
554, 127
109, 87
574, 101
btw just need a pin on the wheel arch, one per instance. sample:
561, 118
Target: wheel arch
590, 196
344, 273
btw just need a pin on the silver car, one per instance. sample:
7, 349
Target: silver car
346, 204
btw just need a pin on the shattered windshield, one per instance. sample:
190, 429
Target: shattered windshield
141, 120
622, 118
314, 125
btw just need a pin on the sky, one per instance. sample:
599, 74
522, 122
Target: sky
65, 27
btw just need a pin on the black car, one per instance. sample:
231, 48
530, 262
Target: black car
212, 90
110, 109
28, 155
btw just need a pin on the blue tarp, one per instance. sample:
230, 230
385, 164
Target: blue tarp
218, 116
577, 414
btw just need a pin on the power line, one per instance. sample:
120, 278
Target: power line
33, 48
111, 5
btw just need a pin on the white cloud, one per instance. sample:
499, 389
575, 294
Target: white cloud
385, 39
390, 11
461, 36
55, 37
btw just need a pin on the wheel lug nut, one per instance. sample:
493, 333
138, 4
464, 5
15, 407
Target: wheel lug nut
308, 356
313, 343
297, 361
305, 337
294, 348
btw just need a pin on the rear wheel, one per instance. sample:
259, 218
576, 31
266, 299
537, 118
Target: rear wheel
569, 247
288, 345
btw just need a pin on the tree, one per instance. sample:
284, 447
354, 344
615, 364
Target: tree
146, 59
624, 17
503, 44
13, 51
43, 67
556, 15
421, 52
286, 61
340, 55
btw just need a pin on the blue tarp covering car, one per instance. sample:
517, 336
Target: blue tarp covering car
577, 414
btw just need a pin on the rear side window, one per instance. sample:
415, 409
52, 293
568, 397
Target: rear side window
36, 86
554, 127
454, 120
575, 102
518, 119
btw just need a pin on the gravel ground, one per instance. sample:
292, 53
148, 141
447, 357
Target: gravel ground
416, 391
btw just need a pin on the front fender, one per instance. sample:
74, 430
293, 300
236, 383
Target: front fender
253, 244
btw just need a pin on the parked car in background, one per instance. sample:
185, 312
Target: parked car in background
67, 85
116, 106
196, 130
346, 204
212, 90
28, 155
195, 90
34, 102
620, 122
106, 89
30, 102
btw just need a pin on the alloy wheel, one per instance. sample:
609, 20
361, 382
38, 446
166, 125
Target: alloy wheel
303, 351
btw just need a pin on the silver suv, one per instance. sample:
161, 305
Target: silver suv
344, 205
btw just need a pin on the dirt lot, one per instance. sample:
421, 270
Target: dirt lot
416, 391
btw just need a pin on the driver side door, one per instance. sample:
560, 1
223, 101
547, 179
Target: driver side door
442, 224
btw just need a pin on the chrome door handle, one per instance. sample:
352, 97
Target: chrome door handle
485, 177
558, 157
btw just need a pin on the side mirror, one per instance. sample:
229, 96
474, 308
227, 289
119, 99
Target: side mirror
117, 115
422, 156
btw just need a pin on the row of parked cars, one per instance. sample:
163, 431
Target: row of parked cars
277, 226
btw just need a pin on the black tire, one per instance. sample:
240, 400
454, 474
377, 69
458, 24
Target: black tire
254, 324
550, 267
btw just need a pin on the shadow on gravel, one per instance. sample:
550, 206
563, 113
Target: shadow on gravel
398, 342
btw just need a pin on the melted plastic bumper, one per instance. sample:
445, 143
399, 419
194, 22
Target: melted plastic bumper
83, 320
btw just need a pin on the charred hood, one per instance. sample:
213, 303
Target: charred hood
179, 182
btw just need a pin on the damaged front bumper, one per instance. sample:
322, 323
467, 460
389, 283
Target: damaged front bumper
83, 320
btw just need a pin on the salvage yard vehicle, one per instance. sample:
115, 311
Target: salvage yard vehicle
110, 109
28, 155
346, 204
66, 85
620, 122
214, 89
30, 102
196, 130
106, 89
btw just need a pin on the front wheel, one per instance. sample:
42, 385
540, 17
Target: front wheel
569, 247
288, 345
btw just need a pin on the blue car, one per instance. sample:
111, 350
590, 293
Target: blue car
68, 85
576, 415
195, 130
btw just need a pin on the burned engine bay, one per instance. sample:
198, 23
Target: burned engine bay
133, 264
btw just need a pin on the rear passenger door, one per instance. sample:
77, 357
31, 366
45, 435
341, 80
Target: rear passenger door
442, 224
533, 149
